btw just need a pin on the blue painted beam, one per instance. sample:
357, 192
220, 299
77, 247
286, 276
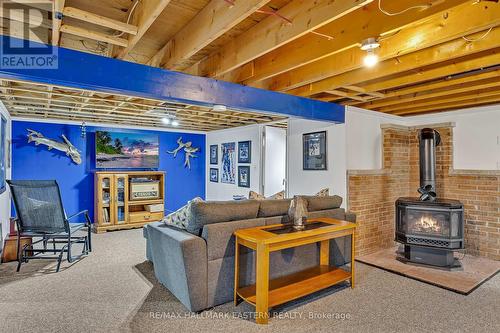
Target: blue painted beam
87, 71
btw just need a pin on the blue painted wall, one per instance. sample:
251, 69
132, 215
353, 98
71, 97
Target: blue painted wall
77, 181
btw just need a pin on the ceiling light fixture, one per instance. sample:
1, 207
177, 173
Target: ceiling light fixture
370, 45
175, 123
165, 120
219, 108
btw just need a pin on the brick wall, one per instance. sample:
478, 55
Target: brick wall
372, 193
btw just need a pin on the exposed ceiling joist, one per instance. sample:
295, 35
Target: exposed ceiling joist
210, 23
335, 37
272, 33
99, 20
143, 17
436, 29
432, 55
57, 9
86, 33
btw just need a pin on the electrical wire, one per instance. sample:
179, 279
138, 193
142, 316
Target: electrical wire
478, 38
403, 11
128, 18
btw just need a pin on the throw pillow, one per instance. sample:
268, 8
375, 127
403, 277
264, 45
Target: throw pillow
277, 196
179, 218
255, 196
323, 192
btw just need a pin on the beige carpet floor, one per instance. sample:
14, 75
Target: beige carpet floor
114, 290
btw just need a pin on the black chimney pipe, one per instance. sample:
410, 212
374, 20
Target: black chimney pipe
429, 139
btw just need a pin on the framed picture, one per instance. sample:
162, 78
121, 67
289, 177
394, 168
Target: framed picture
214, 175
245, 152
3, 153
228, 168
244, 176
214, 154
314, 151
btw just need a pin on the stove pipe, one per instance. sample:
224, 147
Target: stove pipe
429, 139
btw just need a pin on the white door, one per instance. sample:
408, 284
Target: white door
274, 160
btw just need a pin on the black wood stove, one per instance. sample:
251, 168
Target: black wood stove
430, 228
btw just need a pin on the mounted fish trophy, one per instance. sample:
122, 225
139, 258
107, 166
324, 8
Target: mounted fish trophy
189, 151
66, 146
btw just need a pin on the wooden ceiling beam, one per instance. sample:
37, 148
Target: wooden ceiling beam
422, 75
473, 102
86, 33
451, 89
272, 33
345, 32
145, 14
57, 9
214, 20
450, 98
441, 83
429, 56
99, 20
439, 28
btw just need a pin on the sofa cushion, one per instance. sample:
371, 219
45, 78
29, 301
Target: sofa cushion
276, 207
252, 195
315, 203
208, 212
324, 192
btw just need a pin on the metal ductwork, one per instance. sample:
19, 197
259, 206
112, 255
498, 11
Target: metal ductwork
429, 139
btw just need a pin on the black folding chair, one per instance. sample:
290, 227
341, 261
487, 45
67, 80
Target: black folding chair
40, 214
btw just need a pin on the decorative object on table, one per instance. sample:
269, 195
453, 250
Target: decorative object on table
314, 151
214, 154
252, 195
116, 150
298, 211
244, 176
3, 153
66, 146
189, 151
214, 175
245, 152
239, 197
179, 218
83, 130
324, 192
228, 163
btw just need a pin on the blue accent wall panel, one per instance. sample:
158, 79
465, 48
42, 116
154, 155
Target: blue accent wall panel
77, 181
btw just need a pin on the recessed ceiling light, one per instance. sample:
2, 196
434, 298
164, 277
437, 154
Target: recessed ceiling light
219, 108
175, 123
165, 120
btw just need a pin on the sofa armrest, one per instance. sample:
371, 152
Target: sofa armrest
350, 216
180, 263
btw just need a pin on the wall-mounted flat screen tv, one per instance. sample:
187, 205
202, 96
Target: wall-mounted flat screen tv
126, 150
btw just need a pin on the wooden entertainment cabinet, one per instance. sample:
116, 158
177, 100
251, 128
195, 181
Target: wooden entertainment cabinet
115, 206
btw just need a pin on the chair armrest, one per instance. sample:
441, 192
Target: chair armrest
180, 263
88, 222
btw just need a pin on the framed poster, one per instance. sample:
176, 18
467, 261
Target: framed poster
214, 175
214, 154
245, 152
3, 153
228, 169
314, 151
244, 176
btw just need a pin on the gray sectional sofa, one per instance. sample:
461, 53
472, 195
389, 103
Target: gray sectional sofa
197, 264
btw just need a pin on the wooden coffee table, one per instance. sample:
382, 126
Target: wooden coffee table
263, 240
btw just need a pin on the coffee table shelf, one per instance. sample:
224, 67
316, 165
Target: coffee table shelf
293, 286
